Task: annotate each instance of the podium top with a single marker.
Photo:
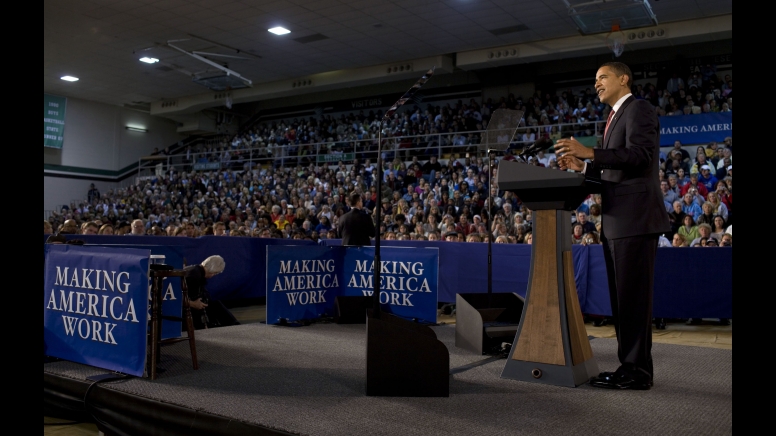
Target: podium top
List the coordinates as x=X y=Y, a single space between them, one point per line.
x=541 y=188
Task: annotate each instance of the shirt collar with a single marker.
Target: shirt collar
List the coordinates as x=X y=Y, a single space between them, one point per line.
x=617 y=105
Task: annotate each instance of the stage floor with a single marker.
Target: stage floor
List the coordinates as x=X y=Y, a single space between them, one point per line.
x=310 y=380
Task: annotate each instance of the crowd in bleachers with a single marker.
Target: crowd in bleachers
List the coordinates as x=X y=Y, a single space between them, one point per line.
x=423 y=198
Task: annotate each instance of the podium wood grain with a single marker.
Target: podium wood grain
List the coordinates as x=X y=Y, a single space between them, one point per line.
x=541 y=339
x=580 y=344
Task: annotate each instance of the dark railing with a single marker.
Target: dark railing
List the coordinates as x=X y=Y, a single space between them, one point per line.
x=250 y=155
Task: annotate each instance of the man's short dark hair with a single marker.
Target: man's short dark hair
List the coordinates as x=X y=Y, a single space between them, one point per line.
x=354 y=199
x=57 y=238
x=400 y=217
x=620 y=69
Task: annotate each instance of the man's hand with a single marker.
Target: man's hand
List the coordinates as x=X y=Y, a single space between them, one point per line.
x=572 y=147
x=569 y=162
x=197 y=304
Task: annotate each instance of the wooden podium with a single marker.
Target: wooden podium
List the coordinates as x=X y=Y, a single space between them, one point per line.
x=551 y=344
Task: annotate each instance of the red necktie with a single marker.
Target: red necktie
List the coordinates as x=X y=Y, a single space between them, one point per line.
x=608 y=120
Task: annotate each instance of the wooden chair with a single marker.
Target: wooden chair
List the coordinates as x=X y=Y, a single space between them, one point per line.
x=158 y=273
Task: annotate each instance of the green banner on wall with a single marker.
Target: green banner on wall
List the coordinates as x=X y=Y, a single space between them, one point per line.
x=345 y=157
x=53 y=120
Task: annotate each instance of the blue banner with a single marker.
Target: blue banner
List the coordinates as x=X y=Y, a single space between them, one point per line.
x=408 y=279
x=172 y=296
x=172 y=293
x=463 y=268
x=696 y=129
x=94 y=301
x=302 y=282
x=241 y=279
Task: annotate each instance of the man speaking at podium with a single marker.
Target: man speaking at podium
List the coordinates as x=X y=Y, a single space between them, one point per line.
x=633 y=217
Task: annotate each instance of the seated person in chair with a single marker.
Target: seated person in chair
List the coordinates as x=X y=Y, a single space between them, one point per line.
x=206 y=313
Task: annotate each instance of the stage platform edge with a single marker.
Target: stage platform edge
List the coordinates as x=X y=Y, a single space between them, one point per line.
x=121 y=413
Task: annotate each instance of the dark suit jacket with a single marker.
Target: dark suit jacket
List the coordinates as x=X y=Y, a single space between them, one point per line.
x=355 y=227
x=628 y=165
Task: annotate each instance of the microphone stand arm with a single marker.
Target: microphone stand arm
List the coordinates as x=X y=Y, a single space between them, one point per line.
x=490 y=232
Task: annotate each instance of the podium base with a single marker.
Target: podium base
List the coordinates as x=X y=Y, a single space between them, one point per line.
x=404 y=359
x=558 y=375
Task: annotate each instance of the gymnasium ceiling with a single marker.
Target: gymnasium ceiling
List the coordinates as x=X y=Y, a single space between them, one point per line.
x=100 y=41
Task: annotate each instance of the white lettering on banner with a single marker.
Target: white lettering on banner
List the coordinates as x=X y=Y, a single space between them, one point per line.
x=108 y=278
x=86 y=329
x=91 y=305
x=306 y=297
x=393 y=277
x=306 y=266
x=678 y=130
x=390 y=283
x=305 y=282
x=717 y=127
x=392 y=298
x=391 y=267
x=169 y=294
x=85 y=278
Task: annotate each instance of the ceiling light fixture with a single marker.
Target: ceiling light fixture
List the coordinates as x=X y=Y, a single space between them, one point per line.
x=149 y=60
x=279 y=30
x=69 y=78
x=136 y=129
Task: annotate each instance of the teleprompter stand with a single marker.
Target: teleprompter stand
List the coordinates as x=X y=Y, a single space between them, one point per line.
x=551 y=345
x=483 y=321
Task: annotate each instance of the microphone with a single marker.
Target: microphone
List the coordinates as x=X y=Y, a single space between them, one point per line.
x=541 y=144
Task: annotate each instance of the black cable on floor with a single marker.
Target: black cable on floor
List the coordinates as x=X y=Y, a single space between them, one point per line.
x=469 y=366
x=102 y=378
x=499 y=353
x=98 y=379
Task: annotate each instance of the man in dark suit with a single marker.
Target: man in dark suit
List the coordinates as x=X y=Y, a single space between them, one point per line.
x=356 y=226
x=634 y=216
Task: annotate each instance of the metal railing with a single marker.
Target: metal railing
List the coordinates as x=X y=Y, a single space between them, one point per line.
x=250 y=155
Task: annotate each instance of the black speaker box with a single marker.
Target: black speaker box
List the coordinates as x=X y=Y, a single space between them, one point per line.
x=351 y=310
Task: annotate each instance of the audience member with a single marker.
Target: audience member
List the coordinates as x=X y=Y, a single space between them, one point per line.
x=427 y=192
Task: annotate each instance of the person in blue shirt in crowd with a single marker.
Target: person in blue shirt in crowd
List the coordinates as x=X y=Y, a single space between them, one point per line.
x=690 y=206
x=324 y=226
x=707 y=178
